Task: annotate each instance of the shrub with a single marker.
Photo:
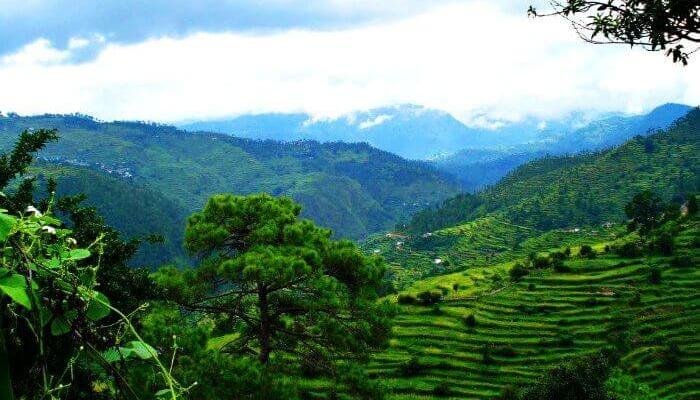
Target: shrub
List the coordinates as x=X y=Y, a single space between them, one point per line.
x=436 y=310
x=505 y=350
x=443 y=289
x=692 y=205
x=586 y=252
x=629 y=250
x=442 y=389
x=636 y=299
x=406 y=299
x=671 y=356
x=681 y=262
x=531 y=287
x=559 y=265
x=455 y=286
x=412 y=367
x=429 y=297
x=654 y=275
x=541 y=262
x=565 y=340
x=486 y=357
x=509 y=392
x=662 y=244
x=517 y=272
x=591 y=302
x=558 y=255
x=470 y=320
x=567 y=251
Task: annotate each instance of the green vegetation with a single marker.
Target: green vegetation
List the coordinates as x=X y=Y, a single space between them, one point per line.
x=510 y=302
x=583 y=190
x=521 y=330
x=353 y=189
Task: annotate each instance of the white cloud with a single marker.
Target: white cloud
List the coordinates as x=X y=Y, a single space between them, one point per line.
x=472 y=59
x=378 y=120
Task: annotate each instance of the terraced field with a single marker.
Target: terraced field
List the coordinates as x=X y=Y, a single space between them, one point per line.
x=483 y=242
x=523 y=329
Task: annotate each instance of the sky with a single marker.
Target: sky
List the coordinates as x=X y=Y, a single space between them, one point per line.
x=175 y=60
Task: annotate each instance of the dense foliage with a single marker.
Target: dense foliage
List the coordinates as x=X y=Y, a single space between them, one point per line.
x=292 y=297
x=556 y=192
x=652 y=24
x=353 y=189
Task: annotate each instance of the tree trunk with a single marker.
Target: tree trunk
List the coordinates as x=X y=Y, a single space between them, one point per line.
x=264 y=325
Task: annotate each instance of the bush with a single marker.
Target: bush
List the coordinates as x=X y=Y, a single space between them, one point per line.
x=591 y=302
x=442 y=389
x=470 y=320
x=436 y=310
x=517 y=272
x=406 y=299
x=681 y=262
x=654 y=275
x=412 y=367
x=662 y=244
x=629 y=250
x=559 y=265
x=429 y=297
x=504 y=350
x=541 y=262
x=509 y=392
x=531 y=287
x=586 y=252
x=565 y=340
x=486 y=357
x=578 y=379
x=671 y=357
x=567 y=251
x=455 y=286
x=636 y=299
x=558 y=255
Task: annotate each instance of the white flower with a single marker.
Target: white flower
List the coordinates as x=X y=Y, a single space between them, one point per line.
x=33 y=210
x=49 y=229
x=71 y=242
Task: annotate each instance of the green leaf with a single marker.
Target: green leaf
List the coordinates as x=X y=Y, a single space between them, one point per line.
x=78 y=254
x=98 y=308
x=62 y=324
x=143 y=350
x=16 y=287
x=163 y=393
x=6 y=224
x=111 y=355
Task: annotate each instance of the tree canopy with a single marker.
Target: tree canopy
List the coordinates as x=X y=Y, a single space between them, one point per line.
x=279 y=281
x=667 y=25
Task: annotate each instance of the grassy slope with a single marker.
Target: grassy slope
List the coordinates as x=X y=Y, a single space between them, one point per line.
x=561 y=193
x=549 y=324
x=482 y=242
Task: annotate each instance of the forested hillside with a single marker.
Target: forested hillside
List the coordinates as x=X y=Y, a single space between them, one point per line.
x=477 y=168
x=584 y=189
x=352 y=188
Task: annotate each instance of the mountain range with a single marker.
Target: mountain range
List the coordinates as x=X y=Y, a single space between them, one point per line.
x=476 y=156
x=162 y=174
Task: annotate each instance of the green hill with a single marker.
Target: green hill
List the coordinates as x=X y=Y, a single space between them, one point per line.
x=520 y=330
x=352 y=188
x=557 y=192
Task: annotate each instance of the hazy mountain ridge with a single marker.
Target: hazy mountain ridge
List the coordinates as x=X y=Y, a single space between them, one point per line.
x=354 y=189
